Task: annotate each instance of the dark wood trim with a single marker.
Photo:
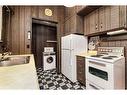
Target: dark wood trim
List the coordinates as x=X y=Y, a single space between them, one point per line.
x=44 y=22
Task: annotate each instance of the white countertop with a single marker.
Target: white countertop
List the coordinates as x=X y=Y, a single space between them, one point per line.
x=85 y=54
x=19 y=76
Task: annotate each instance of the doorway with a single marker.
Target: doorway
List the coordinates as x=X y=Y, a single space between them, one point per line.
x=43 y=35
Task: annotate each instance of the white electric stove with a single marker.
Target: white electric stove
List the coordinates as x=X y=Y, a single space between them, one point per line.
x=106 y=70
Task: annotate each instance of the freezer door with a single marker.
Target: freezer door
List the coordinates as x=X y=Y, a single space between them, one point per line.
x=66 y=42
x=66 y=63
x=78 y=43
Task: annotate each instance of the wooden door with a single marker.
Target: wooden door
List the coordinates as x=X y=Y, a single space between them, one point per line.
x=38 y=42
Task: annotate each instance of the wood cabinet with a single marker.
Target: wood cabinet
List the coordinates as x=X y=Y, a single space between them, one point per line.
x=91 y=23
x=81 y=70
x=73 y=25
x=105 y=19
x=123 y=16
x=101 y=19
x=114 y=17
x=87 y=25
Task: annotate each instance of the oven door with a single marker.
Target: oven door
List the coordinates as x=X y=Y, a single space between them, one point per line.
x=99 y=73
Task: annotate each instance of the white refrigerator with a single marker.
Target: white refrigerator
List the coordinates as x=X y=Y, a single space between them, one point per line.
x=71 y=45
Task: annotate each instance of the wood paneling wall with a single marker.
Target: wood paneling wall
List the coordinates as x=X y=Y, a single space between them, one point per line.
x=21 y=23
x=118 y=43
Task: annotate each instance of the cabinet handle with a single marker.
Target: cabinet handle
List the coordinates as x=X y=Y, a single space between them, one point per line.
x=96 y=27
x=124 y=24
x=101 y=25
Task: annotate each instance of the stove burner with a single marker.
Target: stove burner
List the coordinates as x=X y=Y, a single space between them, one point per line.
x=99 y=55
x=113 y=56
x=106 y=57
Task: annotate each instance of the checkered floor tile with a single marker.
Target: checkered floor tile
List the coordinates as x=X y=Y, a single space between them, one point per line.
x=51 y=80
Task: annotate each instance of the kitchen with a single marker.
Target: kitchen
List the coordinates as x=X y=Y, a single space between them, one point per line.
x=52 y=33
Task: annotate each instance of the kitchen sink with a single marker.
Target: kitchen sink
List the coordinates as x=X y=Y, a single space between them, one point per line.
x=16 y=60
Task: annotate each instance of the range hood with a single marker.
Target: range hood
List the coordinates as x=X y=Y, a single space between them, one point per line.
x=122 y=31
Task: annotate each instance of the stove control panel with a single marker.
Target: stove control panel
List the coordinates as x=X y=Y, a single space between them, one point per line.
x=112 y=50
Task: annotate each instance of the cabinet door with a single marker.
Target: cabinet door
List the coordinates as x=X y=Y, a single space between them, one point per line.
x=115 y=15
x=93 y=26
x=96 y=17
x=107 y=17
x=94 y=22
x=87 y=25
x=101 y=19
x=123 y=16
x=81 y=69
x=79 y=24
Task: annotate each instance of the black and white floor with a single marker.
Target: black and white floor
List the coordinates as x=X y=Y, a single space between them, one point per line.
x=51 y=80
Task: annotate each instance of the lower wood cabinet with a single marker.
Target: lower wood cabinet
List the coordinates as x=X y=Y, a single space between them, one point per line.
x=81 y=70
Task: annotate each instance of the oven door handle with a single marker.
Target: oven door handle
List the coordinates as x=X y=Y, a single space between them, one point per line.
x=96 y=63
x=93 y=86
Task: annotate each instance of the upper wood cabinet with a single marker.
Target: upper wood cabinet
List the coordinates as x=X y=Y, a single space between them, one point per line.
x=115 y=13
x=105 y=19
x=123 y=16
x=87 y=25
x=73 y=25
x=91 y=23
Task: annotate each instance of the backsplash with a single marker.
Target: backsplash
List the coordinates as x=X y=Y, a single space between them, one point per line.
x=94 y=42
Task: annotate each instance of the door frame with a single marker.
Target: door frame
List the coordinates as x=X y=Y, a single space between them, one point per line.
x=49 y=23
